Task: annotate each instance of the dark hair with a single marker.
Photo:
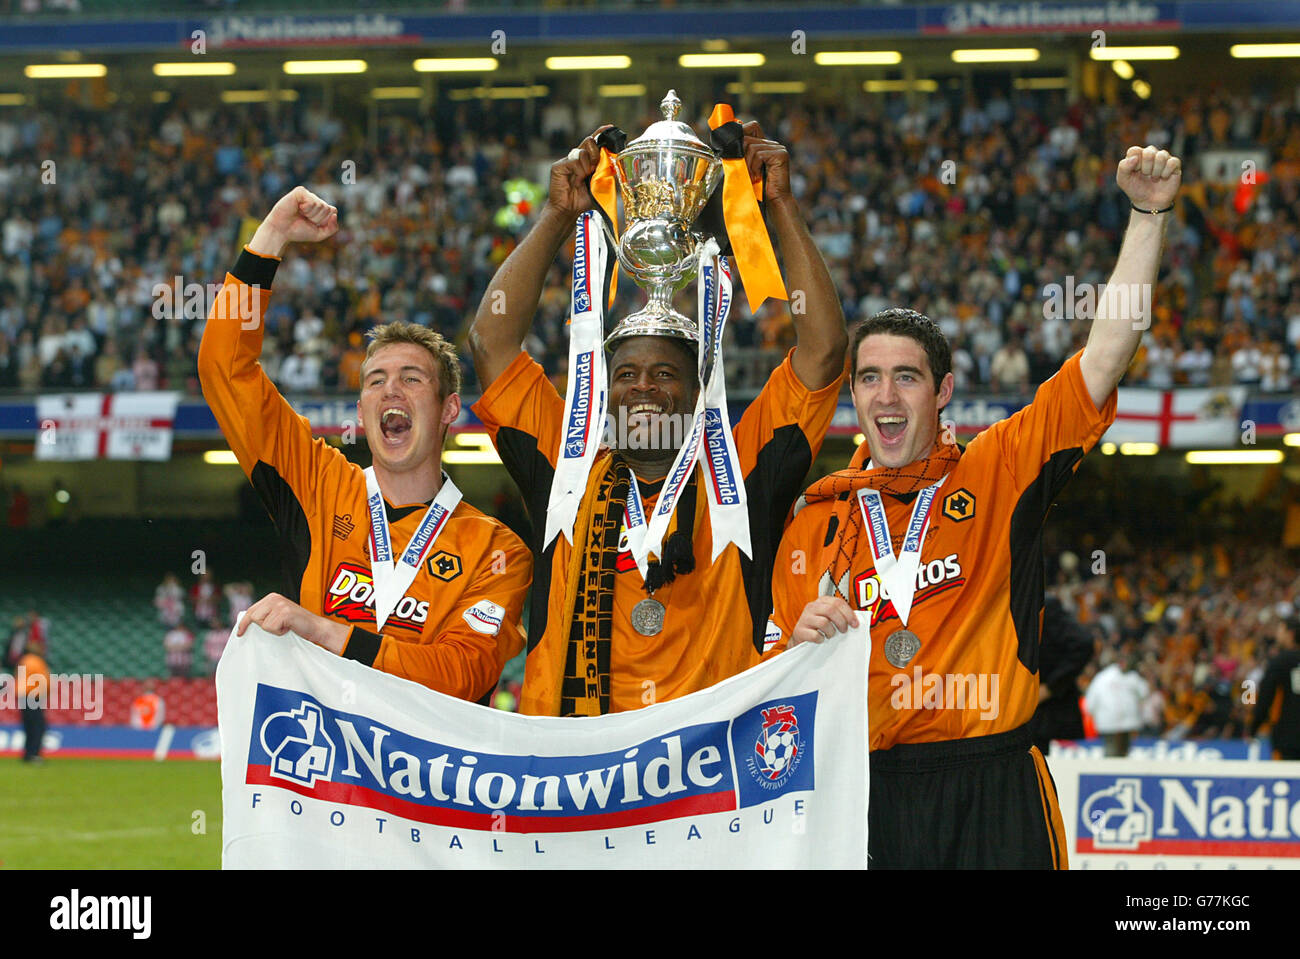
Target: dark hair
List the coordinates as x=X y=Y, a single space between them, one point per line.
x=685 y=350
x=909 y=323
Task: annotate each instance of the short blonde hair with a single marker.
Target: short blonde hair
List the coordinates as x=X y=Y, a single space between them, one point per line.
x=443 y=353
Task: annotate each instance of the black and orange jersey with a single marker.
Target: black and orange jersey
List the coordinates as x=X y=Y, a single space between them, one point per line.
x=978 y=604
x=458 y=622
x=716 y=616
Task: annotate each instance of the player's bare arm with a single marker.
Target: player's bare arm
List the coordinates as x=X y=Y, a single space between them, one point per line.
x=1150 y=178
x=818 y=320
x=507 y=308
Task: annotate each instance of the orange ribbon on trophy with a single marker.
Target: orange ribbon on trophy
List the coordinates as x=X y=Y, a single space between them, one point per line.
x=604 y=190
x=740 y=211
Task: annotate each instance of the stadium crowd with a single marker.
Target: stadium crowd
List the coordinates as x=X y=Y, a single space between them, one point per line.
x=986 y=215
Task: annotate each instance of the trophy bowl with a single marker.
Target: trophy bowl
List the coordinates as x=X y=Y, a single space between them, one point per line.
x=665 y=177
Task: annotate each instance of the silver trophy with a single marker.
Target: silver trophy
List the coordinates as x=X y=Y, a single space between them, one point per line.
x=666 y=176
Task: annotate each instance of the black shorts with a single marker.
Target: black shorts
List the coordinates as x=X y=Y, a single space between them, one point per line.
x=982 y=803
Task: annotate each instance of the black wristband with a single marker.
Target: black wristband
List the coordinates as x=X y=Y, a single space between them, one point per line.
x=255 y=270
x=1152 y=212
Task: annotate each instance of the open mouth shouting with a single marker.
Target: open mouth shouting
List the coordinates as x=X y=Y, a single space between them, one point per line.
x=395 y=425
x=892 y=430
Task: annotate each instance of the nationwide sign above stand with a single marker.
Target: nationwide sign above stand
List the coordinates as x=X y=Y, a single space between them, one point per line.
x=363 y=30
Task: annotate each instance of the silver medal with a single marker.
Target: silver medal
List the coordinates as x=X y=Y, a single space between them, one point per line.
x=900 y=647
x=648 y=617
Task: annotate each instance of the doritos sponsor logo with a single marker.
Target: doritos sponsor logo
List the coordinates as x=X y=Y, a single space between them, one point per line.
x=625 y=562
x=932 y=578
x=683 y=772
x=1211 y=815
x=351 y=596
x=485 y=617
x=575 y=437
x=724 y=481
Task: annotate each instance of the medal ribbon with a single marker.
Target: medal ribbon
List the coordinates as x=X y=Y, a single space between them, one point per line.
x=393 y=579
x=587 y=394
x=897 y=573
x=634 y=518
x=689 y=454
x=728 y=507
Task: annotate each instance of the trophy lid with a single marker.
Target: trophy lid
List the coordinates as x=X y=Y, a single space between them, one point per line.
x=670 y=129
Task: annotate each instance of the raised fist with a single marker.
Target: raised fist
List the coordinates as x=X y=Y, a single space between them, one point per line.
x=299 y=216
x=1150 y=177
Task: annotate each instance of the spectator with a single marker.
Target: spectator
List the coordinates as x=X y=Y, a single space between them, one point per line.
x=178 y=646
x=169 y=600
x=1010 y=368
x=1114 y=700
x=148 y=710
x=214 y=643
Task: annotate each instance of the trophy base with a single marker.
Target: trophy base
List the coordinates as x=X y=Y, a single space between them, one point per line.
x=654 y=322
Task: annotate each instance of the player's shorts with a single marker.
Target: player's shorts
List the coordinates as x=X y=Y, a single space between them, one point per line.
x=982 y=803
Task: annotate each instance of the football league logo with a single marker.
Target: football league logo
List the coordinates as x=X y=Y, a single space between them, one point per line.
x=778 y=748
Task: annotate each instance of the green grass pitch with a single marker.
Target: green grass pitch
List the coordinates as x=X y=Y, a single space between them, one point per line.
x=110 y=814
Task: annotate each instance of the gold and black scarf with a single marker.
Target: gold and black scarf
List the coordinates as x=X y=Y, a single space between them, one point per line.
x=589 y=583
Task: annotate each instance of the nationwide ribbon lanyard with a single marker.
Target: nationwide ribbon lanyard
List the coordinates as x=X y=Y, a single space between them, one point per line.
x=728 y=506
x=587 y=394
x=393 y=579
x=897 y=573
x=689 y=454
x=636 y=524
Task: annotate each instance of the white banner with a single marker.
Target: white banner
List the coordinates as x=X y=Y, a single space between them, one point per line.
x=1179 y=418
x=330 y=764
x=115 y=426
x=1203 y=814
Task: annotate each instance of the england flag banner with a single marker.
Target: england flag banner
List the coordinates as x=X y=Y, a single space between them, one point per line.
x=1179 y=418
x=330 y=764
x=115 y=426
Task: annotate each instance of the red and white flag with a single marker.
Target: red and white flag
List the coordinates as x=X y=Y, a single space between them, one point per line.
x=115 y=426
x=1179 y=418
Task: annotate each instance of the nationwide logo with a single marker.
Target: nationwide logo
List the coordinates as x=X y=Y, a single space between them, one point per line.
x=776 y=751
x=1162 y=815
x=580 y=420
x=485 y=617
x=724 y=482
x=975 y=17
x=581 y=268
x=425 y=534
x=297 y=745
x=304 y=746
x=351 y=596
